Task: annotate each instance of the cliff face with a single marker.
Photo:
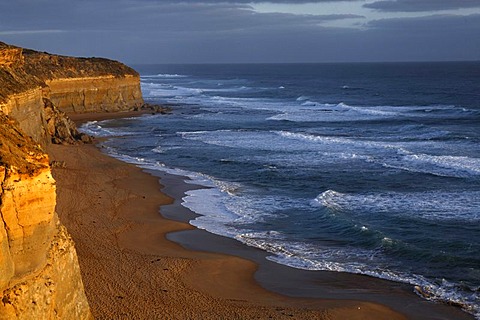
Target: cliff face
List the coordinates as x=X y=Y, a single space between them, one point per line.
x=92 y=94
x=72 y=85
x=26 y=108
x=39 y=272
x=85 y=84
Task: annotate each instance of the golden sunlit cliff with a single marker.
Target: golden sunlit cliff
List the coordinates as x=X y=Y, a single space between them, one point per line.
x=39 y=272
x=30 y=79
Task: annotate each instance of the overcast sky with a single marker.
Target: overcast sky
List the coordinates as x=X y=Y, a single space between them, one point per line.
x=168 y=31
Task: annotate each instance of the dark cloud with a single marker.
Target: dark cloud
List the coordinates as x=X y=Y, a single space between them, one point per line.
x=441 y=23
x=148 y=31
x=246 y=1
x=111 y=15
x=446 y=37
x=421 y=5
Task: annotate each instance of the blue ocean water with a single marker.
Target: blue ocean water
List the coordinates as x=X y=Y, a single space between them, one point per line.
x=361 y=168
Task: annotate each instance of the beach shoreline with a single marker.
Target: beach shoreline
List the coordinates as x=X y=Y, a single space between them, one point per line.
x=297 y=283
x=136 y=263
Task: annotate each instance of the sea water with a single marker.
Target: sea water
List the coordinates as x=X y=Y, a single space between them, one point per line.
x=363 y=168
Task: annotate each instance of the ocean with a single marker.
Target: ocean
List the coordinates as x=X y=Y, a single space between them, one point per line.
x=368 y=168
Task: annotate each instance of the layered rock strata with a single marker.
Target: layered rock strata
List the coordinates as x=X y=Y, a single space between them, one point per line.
x=39 y=271
x=72 y=85
x=94 y=94
x=85 y=84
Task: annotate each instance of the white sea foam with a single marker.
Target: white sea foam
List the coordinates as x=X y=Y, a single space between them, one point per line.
x=461 y=205
x=155 y=90
x=164 y=75
x=192 y=93
x=344 y=148
x=467 y=164
x=395 y=154
x=303 y=109
x=236 y=138
x=443 y=292
x=438 y=165
x=354 y=260
x=214 y=203
x=374 y=111
x=158 y=149
x=418 y=132
x=215 y=217
x=208 y=202
x=302 y=98
x=98 y=129
x=324 y=112
x=314 y=257
x=226 y=210
x=352 y=143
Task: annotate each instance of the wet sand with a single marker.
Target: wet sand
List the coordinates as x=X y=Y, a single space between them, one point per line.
x=131 y=270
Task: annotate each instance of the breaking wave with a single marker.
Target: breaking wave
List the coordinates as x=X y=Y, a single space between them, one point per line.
x=436 y=206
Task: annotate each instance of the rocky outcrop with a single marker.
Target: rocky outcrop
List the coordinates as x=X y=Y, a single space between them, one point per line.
x=60 y=127
x=39 y=273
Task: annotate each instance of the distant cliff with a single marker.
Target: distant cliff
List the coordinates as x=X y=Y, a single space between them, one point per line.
x=39 y=271
x=73 y=85
x=85 y=84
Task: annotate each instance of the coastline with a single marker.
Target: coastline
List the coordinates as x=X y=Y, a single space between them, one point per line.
x=297 y=283
x=130 y=268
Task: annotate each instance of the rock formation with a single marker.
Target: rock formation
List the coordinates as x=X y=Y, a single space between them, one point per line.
x=60 y=128
x=39 y=272
x=85 y=85
x=72 y=85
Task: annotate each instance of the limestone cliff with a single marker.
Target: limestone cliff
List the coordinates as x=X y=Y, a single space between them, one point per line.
x=92 y=94
x=85 y=84
x=71 y=84
x=39 y=272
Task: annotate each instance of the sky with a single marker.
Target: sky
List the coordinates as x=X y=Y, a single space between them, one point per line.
x=247 y=31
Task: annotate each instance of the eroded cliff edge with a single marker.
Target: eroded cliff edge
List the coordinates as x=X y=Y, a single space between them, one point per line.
x=30 y=79
x=39 y=272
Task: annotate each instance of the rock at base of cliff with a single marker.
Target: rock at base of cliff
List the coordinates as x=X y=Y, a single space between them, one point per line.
x=61 y=128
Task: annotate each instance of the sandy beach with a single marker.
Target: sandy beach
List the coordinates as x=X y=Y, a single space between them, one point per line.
x=131 y=270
